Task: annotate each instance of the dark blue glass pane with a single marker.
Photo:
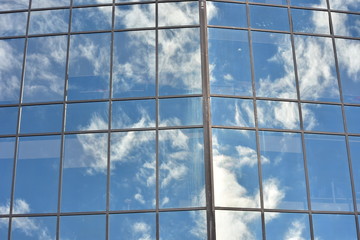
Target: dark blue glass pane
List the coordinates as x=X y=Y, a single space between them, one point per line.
x=8 y=120
x=89 y=227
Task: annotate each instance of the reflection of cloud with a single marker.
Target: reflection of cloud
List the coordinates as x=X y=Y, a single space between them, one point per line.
x=296 y=231
x=142 y=231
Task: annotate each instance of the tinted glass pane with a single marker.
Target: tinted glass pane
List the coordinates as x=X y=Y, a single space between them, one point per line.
x=133 y=114
x=46 y=3
x=87 y=116
x=134 y=64
x=91 y=227
x=7 y=148
x=178 y=13
x=328 y=226
x=45 y=69
x=42 y=118
x=276 y=114
x=230 y=62
x=238 y=225
x=283 y=166
x=328 y=173
x=13 y=24
x=37 y=175
x=179 y=47
x=33 y=228
x=49 y=21
x=14 y=4
x=90 y=19
x=180 y=111
x=8 y=120
x=232 y=112
x=273 y=65
x=309 y=3
x=181 y=165
x=287 y=226
x=84 y=173
x=227 y=14
x=193 y=225
x=273 y=18
x=235 y=169
x=133 y=164
x=310 y=21
x=346 y=24
x=135 y=16
x=132 y=226
x=354 y=143
x=316 y=68
x=321 y=117
x=10 y=68
x=89 y=66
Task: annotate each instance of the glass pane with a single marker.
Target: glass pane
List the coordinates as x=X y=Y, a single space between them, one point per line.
x=179 y=47
x=276 y=114
x=13 y=4
x=90 y=19
x=7 y=148
x=134 y=64
x=37 y=175
x=4 y=228
x=278 y=2
x=227 y=14
x=180 y=111
x=272 y=18
x=235 y=169
x=13 y=24
x=41 y=118
x=45 y=69
x=232 y=112
x=291 y=226
x=181 y=165
x=135 y=16
x=10 y=68
x=90 y=227
x=178 y=13
x=33 y=228
x=346 y=24
x=133 y=170
x=238 y=225
x=84 y=173
x=309 y=3
x=87 y=116
x=132 y=226
x=88 y=2
x=133 y=114
x=310 y=21
x=8 y=120
x=46 y=4
x=322 y=117
x=229 y=62
x=348 y=59
x=345 y=5
x=193 y=225
x=273 y=65
x=89 y=67
x=329 y=226
x=316 y=68
x=354 y=143
x=283 y=166
x=329 y=178
x=49 y=21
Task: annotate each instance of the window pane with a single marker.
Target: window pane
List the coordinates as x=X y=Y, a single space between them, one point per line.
x=227 y=14
x=44 y=21
x=278 y=2
x=133 y=170
x=37 y=175
x=273 y=18
x=235 y=169
x=328 y=168
x=45 y=4
x=14 y=4
x=345 y=5
x=91 y=19
x=13 y=24
x=33 y=228
x=88 y=2
x=329 y=226
x=354 y=143
x=309 y=3
x=135 y=16
x=310 y=21
x=84 y=173
x=90 y=227
x=8 y=120
x=181 y=165
x=4 y=223
x=178 y=13
x=7 y=148
x=346 y=24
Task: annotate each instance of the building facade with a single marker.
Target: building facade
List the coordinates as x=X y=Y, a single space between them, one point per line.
x=179 y=119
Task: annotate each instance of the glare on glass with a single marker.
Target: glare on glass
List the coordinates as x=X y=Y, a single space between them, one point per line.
x=310 y=21
x=8 y=120
x=37 y=175
x=13 y=24
x=45 y=69
x=181 y=13
x=89 y=66
x=14 y=4
x=54 y=21
x=134 y=16
x=272 y=18
x=87 y=116
x=230 y=58
x=278 y=114
x=7 y=148
x=133 y=170
x=354 y=144
x=84 y=173
x=91 y=19
x=180 y=111
x=92 y=227
x=328 y=169
x=181 y=166
x=46 y=4
x=33 y=228
x=232 y=112
x=134 y=64
x=227 y=14
x=273 y=65
x=322 y=117
x=331 y=226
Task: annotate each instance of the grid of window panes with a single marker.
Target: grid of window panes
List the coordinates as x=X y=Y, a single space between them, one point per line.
x=285 y=102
